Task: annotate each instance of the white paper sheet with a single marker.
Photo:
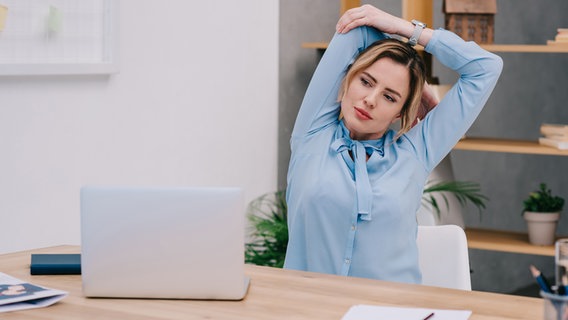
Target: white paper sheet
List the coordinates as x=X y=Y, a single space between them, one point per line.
x=367 y=312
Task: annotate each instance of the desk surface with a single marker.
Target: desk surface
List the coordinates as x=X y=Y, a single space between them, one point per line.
x=274 y=294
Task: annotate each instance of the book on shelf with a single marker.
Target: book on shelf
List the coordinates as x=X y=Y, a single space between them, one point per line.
x=559 y=138
x=558 y=144
x=554 y=135
x=557 y=43
x=556 y=130
x=561 y=37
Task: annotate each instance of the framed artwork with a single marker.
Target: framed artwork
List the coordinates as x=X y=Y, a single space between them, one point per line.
x=50 y=37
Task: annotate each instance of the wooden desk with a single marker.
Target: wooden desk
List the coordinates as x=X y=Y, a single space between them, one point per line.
x=274 y=294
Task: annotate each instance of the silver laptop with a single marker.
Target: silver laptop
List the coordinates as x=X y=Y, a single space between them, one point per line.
x=164 y=243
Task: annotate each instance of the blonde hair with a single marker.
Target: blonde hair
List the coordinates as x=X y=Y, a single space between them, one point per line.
x=399 y=52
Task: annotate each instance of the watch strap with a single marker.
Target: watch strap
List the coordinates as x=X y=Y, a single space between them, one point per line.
x=418 y=28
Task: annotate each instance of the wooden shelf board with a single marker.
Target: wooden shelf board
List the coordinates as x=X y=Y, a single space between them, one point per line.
x=507 y=145
x=315 y=45
x=505 y=241
x=557 y=48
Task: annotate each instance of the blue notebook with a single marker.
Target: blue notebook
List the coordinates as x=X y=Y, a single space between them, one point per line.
x=47 y=263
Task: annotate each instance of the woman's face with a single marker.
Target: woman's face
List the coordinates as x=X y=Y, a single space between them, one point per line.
x=374 y=99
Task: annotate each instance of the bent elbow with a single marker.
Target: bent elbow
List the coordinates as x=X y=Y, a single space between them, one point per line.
x=495 y=66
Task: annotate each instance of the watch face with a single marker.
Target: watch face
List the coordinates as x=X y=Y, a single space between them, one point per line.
x=419 y=23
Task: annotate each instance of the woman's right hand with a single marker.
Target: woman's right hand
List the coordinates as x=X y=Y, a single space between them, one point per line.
x=368 y=15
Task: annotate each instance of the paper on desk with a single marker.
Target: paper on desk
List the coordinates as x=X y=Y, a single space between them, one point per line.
x=366 y=312
x=16 y=294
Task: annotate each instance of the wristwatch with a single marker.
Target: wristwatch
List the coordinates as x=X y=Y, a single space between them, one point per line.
x=418 y=28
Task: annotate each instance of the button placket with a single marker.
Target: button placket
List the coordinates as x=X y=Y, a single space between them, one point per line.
x=348 y=256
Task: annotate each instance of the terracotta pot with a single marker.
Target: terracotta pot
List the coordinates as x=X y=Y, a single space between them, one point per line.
x=541 y=227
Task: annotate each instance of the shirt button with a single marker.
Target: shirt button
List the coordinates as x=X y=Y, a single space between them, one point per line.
x=347 y=261
x=353 y=227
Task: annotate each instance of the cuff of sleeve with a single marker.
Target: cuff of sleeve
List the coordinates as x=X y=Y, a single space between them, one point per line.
x=434 y=40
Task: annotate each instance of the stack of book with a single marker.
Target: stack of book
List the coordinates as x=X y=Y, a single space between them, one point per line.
x=554 y=135
x=561 y=37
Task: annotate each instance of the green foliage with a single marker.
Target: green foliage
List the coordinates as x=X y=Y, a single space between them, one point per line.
x=269 y=228
x=464 y=191
x=269 y=237
x=542 y=200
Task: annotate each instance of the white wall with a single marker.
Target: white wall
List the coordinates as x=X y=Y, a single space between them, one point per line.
x=195 y=103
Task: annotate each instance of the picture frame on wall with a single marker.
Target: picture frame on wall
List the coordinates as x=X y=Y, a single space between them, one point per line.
x=59 y=37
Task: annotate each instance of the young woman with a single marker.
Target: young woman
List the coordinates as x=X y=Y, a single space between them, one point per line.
x=354 y=184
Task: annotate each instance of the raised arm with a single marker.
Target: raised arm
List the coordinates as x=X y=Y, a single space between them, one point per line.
x=479 y=71
x=320 y=106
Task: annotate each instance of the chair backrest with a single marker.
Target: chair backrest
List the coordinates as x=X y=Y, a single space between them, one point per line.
x=443 y=256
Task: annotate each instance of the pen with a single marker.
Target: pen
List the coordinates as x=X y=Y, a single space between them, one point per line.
x=429 y=316
x=544 y=285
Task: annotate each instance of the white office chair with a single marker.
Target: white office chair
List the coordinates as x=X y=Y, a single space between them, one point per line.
x=443 y=256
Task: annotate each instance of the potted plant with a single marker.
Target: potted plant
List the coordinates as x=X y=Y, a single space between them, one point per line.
x=542 y=211
x=267 y=214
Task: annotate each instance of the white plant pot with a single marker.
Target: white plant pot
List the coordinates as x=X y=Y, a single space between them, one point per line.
x=541 y=227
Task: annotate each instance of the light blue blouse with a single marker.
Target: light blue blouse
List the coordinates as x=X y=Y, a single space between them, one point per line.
x=357 y=218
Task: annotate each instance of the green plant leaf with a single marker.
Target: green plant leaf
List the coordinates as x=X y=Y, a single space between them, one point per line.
x=463 y=191
x=267 y=215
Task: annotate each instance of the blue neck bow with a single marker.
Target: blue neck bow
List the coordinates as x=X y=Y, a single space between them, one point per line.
x=360 y=149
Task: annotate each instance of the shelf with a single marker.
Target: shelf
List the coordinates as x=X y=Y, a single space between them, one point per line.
x=315 y=45
x=506 y=145
x=505 y=241
x=556 y=48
